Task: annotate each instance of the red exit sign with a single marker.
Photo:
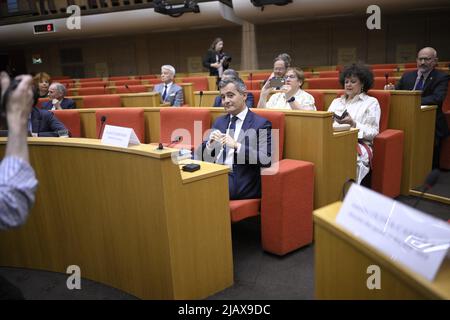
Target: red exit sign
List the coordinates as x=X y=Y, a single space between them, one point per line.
x=44 y=28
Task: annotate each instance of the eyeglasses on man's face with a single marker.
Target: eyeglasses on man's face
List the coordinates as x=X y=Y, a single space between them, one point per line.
x=425 y=59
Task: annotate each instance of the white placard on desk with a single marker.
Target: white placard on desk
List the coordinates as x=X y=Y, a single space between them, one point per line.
x=119 y=136
x=406 y=235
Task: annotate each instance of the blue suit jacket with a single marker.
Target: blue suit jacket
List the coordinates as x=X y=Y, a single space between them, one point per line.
x=433 y=93
x=255 y=153
x=45 y=124
x=65 y=104
x=249 y=101
x=174 y=96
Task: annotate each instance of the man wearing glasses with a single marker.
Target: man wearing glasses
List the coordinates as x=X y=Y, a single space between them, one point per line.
x=433 y=84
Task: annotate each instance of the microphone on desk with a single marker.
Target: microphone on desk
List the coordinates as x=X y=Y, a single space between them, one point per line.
x=128 y=88
x=430 y=181
x=102 y=125
x=104 y=88
x=201 y=96
x=250 y=76
x=177 y=140
x=386 y=76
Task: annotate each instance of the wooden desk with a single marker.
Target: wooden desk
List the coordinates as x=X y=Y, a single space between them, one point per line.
x=418 y=125
x=308 y=136
x=207 y=99
x=127 y=217
x=341 y=262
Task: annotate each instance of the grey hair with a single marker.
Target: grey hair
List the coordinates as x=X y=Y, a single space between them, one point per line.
x=60 y=87
x=238 y=83
x=168 y=67
x=231 y=73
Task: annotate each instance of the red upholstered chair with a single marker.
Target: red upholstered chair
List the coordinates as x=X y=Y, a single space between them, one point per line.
x=102 y=101
x=152 y=81
x=444 y=159
x=323 y=83
x=132 y=89
x=198 y=83
x=90 y=79
x=119 y=78
x=318 y=98
x=383 y=66
x=329 y=74
x=380 y=82
x=387 y=151
x=382 y=72
x=181 y=121
x=127 y=82
x=94 y=84
x=411 y=65
x=147 y=76
x=256 y=95
x=123 y=117
x=259 y=76
x=286 y=202
x=253 y=84
x=92 y=91
x=41 y=102
x=71 y=120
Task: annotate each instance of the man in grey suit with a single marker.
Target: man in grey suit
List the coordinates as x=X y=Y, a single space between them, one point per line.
x=169 y=91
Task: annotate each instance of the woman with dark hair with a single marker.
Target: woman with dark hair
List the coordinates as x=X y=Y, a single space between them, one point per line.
x=216 y=60
x=358 y=110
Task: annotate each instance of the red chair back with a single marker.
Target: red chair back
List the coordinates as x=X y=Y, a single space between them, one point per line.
x=184 y=121
x=198 y=83
x=380 y=82
x=132 y=89
x=102 y=101
x=71 y=120
x=41 y=102
x=123 y=117
x=153 y=81
x=92 y=91
x=119 y=78
x=93 y=84
x=318 y=98
x=253 y=84
x=329 y=74
x=259 y=76
x=446 y=103
x=383 y=66
x=148 y=76
x=382 y=72
x=384 y=99
x=323 y=83
x=412 y=65
x=256 y=94
x=127 y=82
x=277 y=119
x=90 y=79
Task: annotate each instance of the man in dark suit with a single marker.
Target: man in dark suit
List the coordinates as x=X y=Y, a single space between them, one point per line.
x=56 y=92
x=241 y=140
x=169 y=91
x=433 y=84
x=43 y=123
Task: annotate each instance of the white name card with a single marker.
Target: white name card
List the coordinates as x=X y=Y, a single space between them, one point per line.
x=406 y=235
x=119 y=136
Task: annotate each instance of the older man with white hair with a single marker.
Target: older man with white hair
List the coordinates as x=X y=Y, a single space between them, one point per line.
x=169 y=91
x=56 y=93
x=433 y=84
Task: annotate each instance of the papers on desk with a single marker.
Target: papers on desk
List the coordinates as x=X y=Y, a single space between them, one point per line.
x=119 y=136
x=406 y=235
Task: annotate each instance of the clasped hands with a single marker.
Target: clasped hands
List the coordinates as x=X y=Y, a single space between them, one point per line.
x=346 y=120
x=222 y=139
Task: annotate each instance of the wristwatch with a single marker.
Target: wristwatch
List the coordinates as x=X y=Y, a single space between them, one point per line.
x=291 y=99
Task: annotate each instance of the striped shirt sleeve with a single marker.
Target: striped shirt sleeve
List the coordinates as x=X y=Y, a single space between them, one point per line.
x=17 y=188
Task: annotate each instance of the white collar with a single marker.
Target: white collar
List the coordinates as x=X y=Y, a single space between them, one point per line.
x=241 y=115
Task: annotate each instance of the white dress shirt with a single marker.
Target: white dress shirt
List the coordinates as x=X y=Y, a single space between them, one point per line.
x=278 y=101
x=364 y=110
